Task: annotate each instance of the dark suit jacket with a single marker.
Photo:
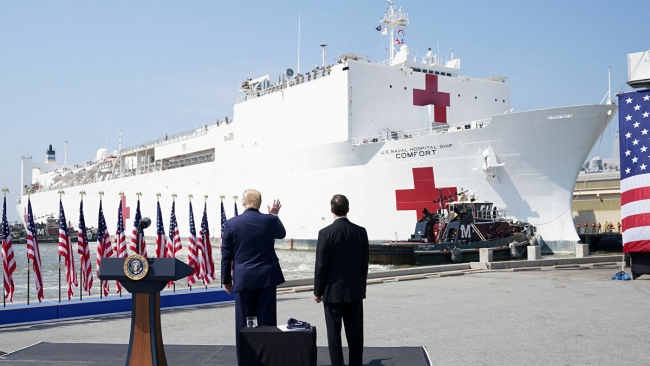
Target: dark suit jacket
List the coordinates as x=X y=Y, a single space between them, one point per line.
x=341 y=262
x=248 y=242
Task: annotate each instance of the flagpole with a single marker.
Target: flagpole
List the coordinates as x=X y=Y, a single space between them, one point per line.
x=29 y=193
x=204 y=243
x=81 y=267
x=173 y=244
x=4 y=289
x=189 y=196
x=61 y=193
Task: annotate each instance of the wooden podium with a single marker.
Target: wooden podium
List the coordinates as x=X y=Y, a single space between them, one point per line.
x=144 y=280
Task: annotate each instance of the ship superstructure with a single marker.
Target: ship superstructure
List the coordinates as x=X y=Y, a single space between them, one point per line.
x=388 y=135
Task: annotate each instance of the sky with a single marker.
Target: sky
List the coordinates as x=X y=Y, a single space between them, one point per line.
x=79 y=71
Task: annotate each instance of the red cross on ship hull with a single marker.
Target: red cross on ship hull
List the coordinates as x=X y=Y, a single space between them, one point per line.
x=423 y=194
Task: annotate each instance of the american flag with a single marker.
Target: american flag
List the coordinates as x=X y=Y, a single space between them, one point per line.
x=193 y=257
x=104 y=248
x=142 y=249
x=65 y=251
x=634 y=127
x=174 y=241
x=84 y=252
x=236 y=213
x=160 y=235
x=8 y=260
x=120 y=241
x=206 y=248
x=33 y=252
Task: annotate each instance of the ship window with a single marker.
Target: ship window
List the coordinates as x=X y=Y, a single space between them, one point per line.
x=391 y=87
x=475 y=97
x=504 y=100
x=404 y=88
x=437 y=73
x=448 y=74
x=430 y=71
x=458 y=95
x=495 y=100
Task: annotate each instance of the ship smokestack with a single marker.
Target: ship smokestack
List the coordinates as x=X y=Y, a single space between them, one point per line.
x=50 y=155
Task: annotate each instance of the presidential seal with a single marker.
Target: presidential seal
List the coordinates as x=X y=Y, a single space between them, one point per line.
x=136 y=267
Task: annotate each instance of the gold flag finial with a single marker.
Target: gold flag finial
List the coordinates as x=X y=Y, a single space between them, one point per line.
x=61 y=193
x=222 y=197
x=174 y=195
x=157 y=196
x=235 y=197
x=101 y=194
x=138 y=194
x=206 y=197
x=190 y=196
x=5 y=190
x=82 y=193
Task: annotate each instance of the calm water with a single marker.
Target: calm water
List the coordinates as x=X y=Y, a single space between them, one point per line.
x=295 y=264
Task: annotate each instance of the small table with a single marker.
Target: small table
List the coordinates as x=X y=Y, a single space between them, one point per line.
x=270 y=346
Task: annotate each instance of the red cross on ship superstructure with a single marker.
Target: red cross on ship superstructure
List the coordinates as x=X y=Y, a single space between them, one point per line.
x=431 y=96
x=126 y=211
x=423 y=194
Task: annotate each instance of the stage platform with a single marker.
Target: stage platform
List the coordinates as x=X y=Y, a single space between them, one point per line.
x=95 y=354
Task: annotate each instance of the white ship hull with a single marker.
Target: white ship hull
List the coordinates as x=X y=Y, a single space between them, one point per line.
x=358 y=129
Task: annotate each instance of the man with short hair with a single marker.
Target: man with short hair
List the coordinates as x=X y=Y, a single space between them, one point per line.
x=248 y=248
x=340 y=281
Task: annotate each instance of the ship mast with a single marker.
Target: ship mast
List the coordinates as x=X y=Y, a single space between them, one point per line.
x=394 y=18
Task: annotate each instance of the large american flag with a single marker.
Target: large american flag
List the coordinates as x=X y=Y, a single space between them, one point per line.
x=142 y=248
x=193 y=258
x=65 y=251
x=8 y=260
x=120 y=241
x=33 y=252
x=634 y=127
x=84 y=252
x=174 y=241
x=160 y=235
x=207 y=265
x=104 y=248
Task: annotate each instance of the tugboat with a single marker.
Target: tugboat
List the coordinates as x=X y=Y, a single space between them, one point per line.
x=48 y=232
x=455 y=235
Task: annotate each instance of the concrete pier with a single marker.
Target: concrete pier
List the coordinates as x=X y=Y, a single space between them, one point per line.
x=444 y=311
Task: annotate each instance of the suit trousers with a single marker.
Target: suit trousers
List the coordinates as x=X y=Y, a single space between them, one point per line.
x=351 y=313
x=260 y=303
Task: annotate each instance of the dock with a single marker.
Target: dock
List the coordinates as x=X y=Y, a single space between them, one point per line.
x=549 y=314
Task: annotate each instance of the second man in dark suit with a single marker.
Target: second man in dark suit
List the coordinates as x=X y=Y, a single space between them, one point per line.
x=340 y=281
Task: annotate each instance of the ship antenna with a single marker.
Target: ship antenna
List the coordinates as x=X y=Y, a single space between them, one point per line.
x=298 y=43
x=323 y=52
x=609 y=85
x=394 y=18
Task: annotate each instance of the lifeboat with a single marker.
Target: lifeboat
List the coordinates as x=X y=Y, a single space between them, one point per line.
x=57 y=178
x=92 y=169
x=67 y=174
x=79 y=172
x=105 y=167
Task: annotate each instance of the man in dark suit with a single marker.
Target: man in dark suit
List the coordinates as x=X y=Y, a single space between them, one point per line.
x=248 y=249
x=340 y=281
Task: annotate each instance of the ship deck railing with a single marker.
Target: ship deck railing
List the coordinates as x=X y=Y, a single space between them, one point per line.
x=284 y=84
x=389 y=135
x=168 y=139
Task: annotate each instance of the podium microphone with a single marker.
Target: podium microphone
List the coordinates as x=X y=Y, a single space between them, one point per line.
x=144 y=223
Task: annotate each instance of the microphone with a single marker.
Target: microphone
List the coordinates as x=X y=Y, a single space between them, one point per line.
x=144 y=223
